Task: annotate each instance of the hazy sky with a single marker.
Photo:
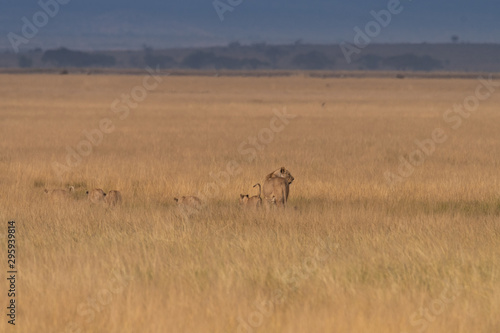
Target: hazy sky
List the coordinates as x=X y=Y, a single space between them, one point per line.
x=127 y=24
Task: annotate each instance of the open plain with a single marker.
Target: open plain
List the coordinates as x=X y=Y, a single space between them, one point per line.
x=392 y=223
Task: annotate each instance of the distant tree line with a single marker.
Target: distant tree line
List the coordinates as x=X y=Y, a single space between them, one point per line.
x=233 y=57
x=208 y=60
x=313 y=60
x=408 y=61
x=64 y=57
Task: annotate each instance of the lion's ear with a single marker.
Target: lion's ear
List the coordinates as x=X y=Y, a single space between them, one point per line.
x=176 y=200
x=242 y=196
x=282 y=170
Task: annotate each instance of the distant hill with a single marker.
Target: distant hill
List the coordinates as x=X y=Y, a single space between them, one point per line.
x=401 y=57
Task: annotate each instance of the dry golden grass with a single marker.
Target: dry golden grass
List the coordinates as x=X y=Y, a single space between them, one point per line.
x=350 y=254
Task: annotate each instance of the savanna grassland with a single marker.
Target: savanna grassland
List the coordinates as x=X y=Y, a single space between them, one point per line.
x=352 y=252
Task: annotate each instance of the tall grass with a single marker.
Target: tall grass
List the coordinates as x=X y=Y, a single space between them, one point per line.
x=350 y=254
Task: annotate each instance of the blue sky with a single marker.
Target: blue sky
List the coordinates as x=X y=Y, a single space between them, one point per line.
x=126 y=24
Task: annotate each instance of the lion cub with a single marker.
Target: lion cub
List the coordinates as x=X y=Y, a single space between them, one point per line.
x=59 y=194
x=254 y=202
x=191 y=201
x=113 y=198
x=96 y=196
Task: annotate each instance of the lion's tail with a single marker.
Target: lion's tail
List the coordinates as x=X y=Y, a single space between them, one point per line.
x=283 y=191
x=259 y=189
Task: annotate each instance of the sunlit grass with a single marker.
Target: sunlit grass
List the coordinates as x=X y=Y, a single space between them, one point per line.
x=350 y=254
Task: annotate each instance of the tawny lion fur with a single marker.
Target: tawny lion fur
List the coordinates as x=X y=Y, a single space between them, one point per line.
x=277 y=186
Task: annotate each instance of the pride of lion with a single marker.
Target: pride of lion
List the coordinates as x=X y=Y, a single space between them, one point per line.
x=96 y=196
x=273 y=192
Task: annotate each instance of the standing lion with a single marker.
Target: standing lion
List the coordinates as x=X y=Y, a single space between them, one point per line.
x=277 y=186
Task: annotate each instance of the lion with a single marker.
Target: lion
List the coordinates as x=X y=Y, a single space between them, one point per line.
x=188 y=201
x=113 y=198
x=277 y=186
x=60 y=194
x=96 y=196
x=188 y=205
x=251 y=202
